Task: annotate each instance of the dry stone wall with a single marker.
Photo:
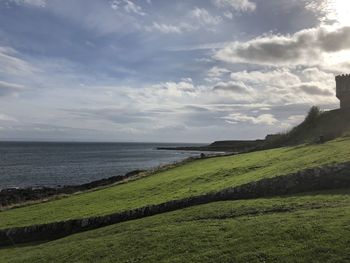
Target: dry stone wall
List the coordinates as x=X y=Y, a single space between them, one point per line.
x=323 y=178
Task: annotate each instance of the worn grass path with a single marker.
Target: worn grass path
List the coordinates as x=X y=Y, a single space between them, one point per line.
x=304 y=228
x=191 y=179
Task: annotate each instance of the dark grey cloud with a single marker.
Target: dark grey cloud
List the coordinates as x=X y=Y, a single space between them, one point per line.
x=333 y=41
x=314 y=90
x=304 y=47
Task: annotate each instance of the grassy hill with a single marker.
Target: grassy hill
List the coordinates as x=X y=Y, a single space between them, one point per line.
x=328 y=124
x=312 y=227
x=191 y=179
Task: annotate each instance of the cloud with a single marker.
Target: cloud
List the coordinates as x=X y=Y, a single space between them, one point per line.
x=115 y=115
x=204 y=17
x=216 y=72
x=289 y=86
x=164 y=28
x=291 y=121
x=7 y=118
x=315 y=90
x=231 y=86
x=317 y=75
x=278 y=77
x=154 y=96
x=128 y=6
x=196 y=19
x=176 y=89
x=237 y=5
x=10 y=63
x=9 y=89
x=265 y=119
x=36 y=3
x=228 y=14
x=305 y=47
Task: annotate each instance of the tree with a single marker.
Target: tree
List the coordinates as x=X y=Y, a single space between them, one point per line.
x=313 y=114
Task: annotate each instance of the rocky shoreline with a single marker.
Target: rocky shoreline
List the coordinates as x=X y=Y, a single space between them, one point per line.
x=19 y=196
x=14 y=196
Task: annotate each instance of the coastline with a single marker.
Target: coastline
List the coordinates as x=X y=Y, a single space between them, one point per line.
x=15 y=197
x=233 y=146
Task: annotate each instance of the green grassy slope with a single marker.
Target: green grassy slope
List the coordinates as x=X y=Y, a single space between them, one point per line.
x=191 y=179
x=329 y=124
x=303 y=228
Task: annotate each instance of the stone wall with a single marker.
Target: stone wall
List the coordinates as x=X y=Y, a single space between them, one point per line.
x=329 y=177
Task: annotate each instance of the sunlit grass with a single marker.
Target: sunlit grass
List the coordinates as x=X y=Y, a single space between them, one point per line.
x=194 y=178
x=304 y=228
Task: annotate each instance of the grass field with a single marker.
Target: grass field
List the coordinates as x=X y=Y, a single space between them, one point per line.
x=190 y=179
x=304 y=228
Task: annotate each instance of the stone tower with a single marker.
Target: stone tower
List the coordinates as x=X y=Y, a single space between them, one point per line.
x=343 y=90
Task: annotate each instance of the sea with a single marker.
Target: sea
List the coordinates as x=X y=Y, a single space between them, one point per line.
x=54 y=164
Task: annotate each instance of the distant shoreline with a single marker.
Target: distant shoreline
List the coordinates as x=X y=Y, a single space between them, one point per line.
x=236 y=146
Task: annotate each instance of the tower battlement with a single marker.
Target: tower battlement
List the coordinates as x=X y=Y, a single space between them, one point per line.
x=343 y=90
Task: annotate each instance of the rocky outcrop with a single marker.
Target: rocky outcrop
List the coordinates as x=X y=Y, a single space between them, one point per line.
x=323 y=178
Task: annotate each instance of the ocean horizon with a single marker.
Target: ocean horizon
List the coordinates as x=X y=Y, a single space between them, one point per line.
x=52 y=164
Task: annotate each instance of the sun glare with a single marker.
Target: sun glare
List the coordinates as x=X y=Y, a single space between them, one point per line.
x=342 y=11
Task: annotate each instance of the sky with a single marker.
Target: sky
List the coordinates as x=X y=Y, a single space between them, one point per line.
x=165 y=70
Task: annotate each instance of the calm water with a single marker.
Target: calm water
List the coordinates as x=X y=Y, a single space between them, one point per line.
x=27 y=164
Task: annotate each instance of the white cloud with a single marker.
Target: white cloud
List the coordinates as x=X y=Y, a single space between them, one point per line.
x=237 y=5
x=133 y=8
x=292 y=121
x=315 y=74
x=279 y=77
x=9 y=89
x=198 y=18
x=287 y=86
x=216 y=72
x=204 y=17
x=10 y=63
x=164 y=28
x=36 y=3
x=7 y=118
x=228 y=14
x=265 y=119
x=128 y=6
x=175 y=89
